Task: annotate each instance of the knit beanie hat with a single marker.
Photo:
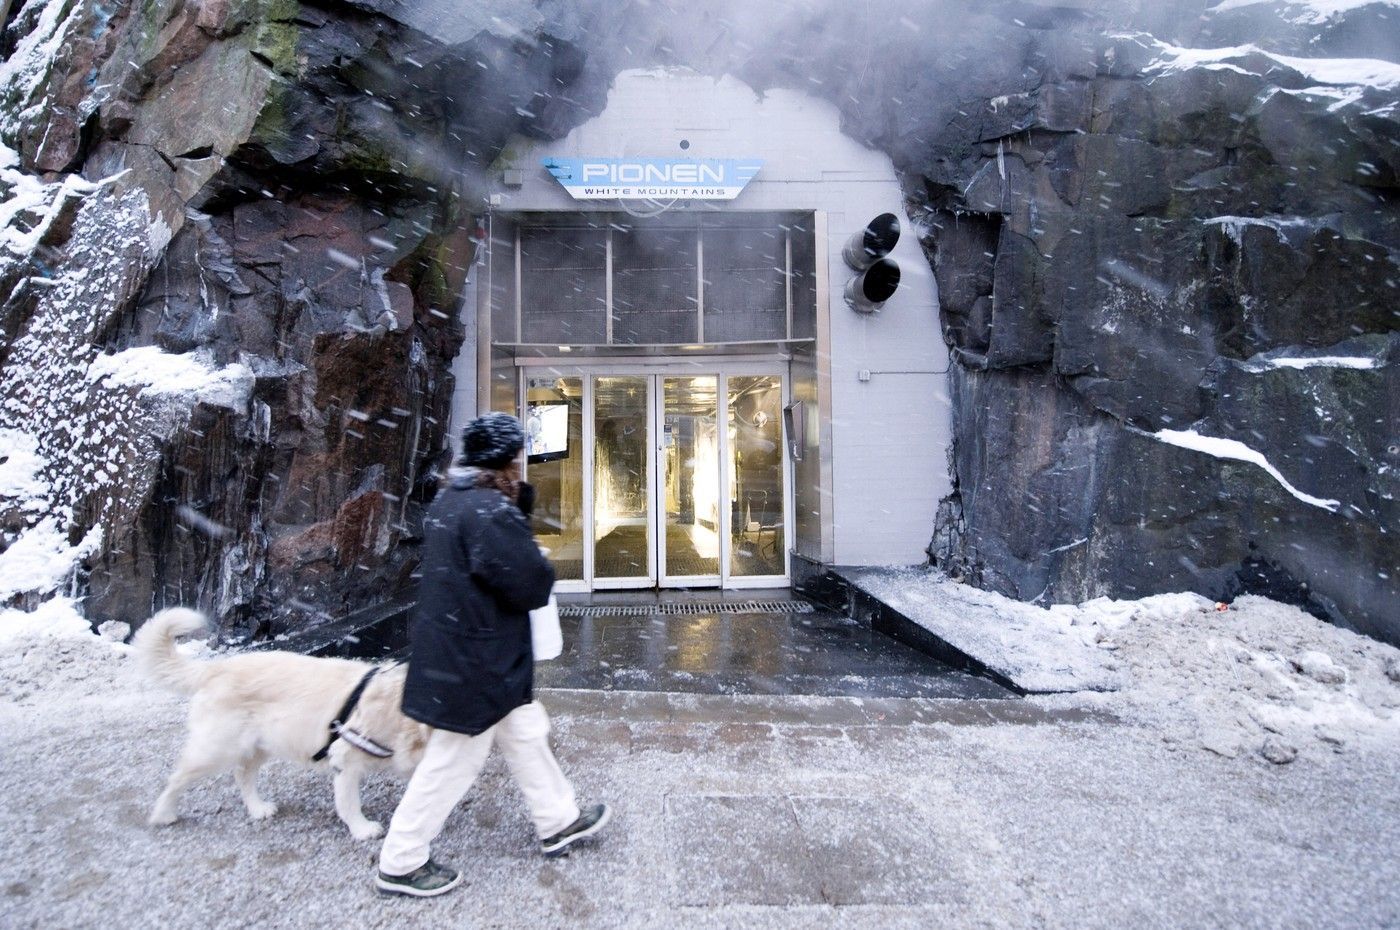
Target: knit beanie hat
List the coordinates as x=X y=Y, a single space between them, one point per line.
x=492 y=440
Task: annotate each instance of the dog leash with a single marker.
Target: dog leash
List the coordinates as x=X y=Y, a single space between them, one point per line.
x=340 y=731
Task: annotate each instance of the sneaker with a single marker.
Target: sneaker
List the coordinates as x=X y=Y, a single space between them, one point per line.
x=588 y=823
x=426 y=881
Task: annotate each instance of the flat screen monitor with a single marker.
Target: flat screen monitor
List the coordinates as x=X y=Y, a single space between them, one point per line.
x=547 y=432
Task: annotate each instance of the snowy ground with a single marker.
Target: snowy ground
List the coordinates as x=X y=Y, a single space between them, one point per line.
x=1103 y=810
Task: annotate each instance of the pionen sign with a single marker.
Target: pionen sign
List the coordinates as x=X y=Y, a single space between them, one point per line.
x=653 y=178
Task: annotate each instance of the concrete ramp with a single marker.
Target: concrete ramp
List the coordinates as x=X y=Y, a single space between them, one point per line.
x=1027 y=648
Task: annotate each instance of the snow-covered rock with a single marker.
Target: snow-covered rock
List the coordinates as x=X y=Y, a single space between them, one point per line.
x=1307 y=11
x=1319 y=667
x=51 y=651
x=1227 y=678
x=1277 y=751
x=1258 y=671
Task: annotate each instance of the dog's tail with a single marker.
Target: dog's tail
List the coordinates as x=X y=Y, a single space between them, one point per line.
x=155 y=649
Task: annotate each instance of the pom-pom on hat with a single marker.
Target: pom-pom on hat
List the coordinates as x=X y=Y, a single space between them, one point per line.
x=492 y=440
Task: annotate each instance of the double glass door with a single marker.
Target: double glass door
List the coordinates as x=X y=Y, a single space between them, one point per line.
x=676 y=480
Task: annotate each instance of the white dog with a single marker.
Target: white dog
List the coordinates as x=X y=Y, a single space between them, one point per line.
x=249 y=708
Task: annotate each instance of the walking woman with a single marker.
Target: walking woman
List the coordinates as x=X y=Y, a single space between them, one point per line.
x=471 y=673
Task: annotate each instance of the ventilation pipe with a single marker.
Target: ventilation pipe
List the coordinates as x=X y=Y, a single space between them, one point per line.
x=866 y=252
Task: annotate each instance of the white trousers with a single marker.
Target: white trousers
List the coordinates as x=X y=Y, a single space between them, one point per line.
x=451 y=763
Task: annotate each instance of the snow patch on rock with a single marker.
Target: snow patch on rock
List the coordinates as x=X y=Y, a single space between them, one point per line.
x=38 y=204
x=23 y=74
x=41 y=559
x=160 y=374
x=1277 y=359
x=86 y=428
x=21 y=485
x=1307 y=12
x=1234 y=449
x=1321 y=361
x=1355 y=72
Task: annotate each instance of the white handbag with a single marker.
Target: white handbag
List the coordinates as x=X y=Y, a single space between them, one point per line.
x=546 y=639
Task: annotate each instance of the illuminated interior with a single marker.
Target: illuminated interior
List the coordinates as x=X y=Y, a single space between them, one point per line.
x=756 y=475
x=621 y=496
x=691 y=483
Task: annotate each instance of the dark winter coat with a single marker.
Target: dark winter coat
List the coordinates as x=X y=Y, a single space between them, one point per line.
x=482 y=573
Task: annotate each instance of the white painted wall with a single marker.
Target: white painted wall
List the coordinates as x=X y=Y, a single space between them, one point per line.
x=889 y=435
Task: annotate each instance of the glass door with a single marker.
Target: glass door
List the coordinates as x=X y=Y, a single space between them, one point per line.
x=660 y=479
x=688 y=498
x=755 y=481
x=623 y=539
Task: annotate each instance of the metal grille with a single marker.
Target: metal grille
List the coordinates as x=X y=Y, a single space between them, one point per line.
x=688 y=609
x=655 y=286
x=563 y=285
x=745 y=285
x=609 y=279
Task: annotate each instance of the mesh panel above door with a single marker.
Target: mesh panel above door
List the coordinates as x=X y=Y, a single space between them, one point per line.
x=655 y=286
x=563 y=284
x=746 y=293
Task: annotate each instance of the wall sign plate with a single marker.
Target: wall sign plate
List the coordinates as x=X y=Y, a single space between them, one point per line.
x=653 y=178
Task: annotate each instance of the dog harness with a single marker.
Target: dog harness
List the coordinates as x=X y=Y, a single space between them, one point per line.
x=340 y=731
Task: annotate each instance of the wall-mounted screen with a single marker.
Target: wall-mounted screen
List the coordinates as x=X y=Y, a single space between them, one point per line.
x=547 y=432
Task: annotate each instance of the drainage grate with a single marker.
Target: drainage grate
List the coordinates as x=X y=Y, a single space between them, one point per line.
x=652 y=610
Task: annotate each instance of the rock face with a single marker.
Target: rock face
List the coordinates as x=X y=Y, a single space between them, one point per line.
x=1167 y=276
x=1204 y=253
x=283 y=192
